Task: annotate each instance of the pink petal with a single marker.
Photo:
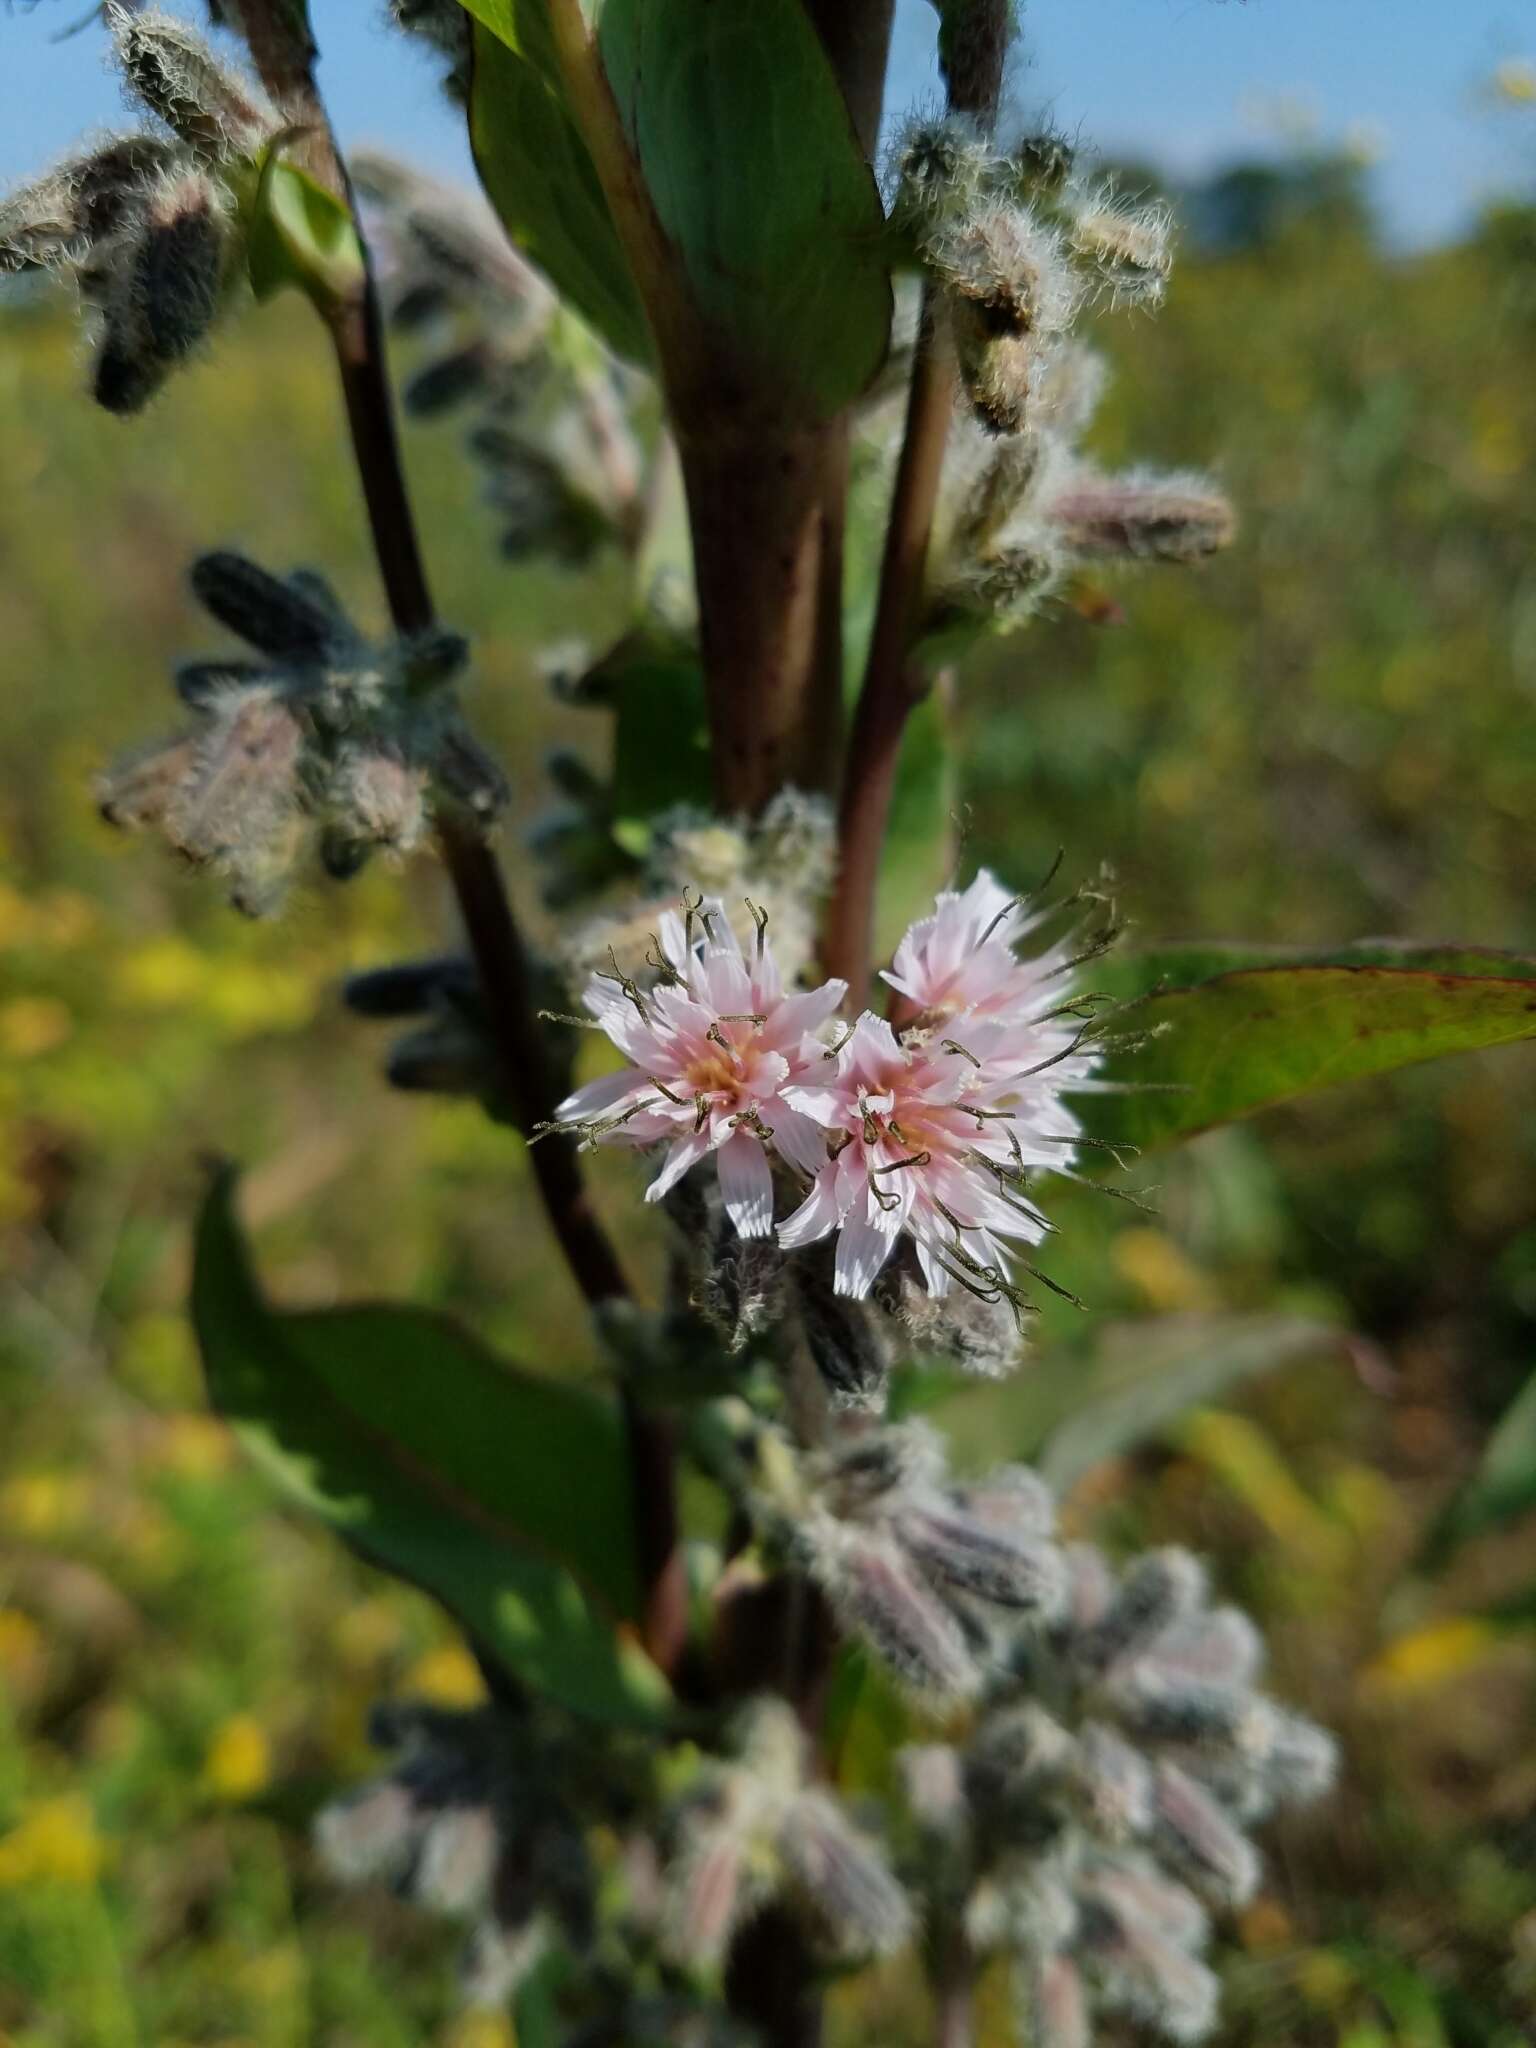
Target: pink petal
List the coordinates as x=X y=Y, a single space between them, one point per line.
x=798 y=1139
x=605 y=1093
x=685 y=1153
x=746 y=1184
x=815 y=1217
x=861 y=1252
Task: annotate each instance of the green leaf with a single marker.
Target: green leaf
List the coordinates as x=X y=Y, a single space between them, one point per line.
x=539 y=177
x=1079 y=1404
x=300 y=234
x=1238 y=1030
x=1503 y=1486
x=756 y=179
x=661 y=730
x=505 y=1495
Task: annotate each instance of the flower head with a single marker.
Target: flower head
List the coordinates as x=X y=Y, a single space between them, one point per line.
x=715 y=1046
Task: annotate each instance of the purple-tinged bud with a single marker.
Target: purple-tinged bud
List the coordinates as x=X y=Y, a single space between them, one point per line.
x=62 y=217
x=1008 y=271
x=933 y=1780
x=1011 y=1497
x=1041 y=162
x=377 y=799
x=138 y=789
x=1128 y=248
x=709 y=1900
x=876 y=1592
x=175 y=74
x=1180 y=517
x=867 y=1466
x=844 y=1337
x=844 y=1877
x=1160 y=1710
x=1215 y=1646
x=440 y=386
x=371 y=1835
x=456 y=1861
x=243 y=784
x=938 y=168
x=412 y=988
x=464 y=772
x=1001 y=1565
x=1302 y=1761
x=1110 y=1785
x=1137 y=1890
x=266 y=611
x=200 y=683
x=1197 y=1837
x=1055 y=2004
x=177 y=277
x=1139 y=1973
x=741 y=1290
x=498 y=1959
x=978 y=1335
x=996 y=370
x=443 y=1058
x=1158 y=1589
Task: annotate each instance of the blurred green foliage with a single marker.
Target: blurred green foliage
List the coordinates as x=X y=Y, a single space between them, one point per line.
x=1326 y=735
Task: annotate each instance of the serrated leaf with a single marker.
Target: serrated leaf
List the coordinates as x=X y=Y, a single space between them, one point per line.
x=538 y=176
x=300 y=234
x=756 y=179
x=1502 y=1488
x=1078 y=1404
x=505 y=1495
x=1237 y=1030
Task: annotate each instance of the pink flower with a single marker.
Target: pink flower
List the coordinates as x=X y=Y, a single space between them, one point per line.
x=928 y=1140
x=934 y=1132
x=713 y=1048
x=961 y=958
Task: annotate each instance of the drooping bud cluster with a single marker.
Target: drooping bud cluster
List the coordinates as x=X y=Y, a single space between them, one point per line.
x=927 y=1571
x=147 y=226
x=1017 y=246
x=550 y=431
x=324 y=740
x=482 y=1820
x=927 y=1129
x=1099 y=1808
x=751 y=1830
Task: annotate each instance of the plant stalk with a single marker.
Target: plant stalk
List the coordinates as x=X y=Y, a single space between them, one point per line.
x=892 y=684
x=284 y=59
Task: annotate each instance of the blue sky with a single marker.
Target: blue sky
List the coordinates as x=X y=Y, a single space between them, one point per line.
x=1188 y=83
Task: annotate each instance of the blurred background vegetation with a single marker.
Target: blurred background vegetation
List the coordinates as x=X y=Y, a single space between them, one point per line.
x=1330 y=733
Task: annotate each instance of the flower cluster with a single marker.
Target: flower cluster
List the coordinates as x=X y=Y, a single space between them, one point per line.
x=926 y=1129
x=323 y=738
x=147 y=225
x=1099 y=1807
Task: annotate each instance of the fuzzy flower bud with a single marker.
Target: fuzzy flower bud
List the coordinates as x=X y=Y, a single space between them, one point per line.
x=1127 y=247
x=326 y=740
x=751 y=1830
x=1179 y=517
x=908 y=1561
x=172 y=71
x=1095 y=1830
